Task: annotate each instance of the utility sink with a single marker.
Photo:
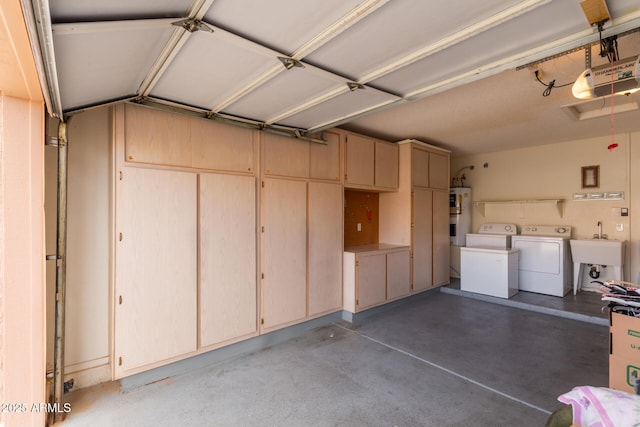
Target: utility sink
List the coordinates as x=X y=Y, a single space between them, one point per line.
x=597 y=251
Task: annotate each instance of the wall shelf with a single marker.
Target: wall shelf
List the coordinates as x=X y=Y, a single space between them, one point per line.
x=521 y=202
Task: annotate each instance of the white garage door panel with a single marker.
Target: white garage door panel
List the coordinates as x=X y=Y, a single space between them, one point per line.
x=103 y=62
x=221 y=69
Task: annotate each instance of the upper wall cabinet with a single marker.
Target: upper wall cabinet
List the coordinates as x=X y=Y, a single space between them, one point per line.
x=429 y=169
x=324 y=160
x=439 y=171
x=360 y=158
x=370 y=163
x=284 y=156
x=157 y=137
x=221 y=147
x=420 y=167
x=386 y=165
x=167 y=139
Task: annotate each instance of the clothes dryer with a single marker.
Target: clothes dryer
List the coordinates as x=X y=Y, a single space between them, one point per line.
x=545 y=259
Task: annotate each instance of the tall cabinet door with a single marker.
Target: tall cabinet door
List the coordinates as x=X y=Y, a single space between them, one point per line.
x=441 y=242
x=284 y=287
x=157 y=268
x=227 y=257
x=325 y=247
x=422 y=239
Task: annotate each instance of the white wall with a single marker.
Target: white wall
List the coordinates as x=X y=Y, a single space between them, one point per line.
x=554 y=171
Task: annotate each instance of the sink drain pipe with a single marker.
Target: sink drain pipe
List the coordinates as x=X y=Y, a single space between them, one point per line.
x=594 y=272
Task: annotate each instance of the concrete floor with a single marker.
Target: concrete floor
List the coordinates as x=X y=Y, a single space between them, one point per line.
x=435 y=360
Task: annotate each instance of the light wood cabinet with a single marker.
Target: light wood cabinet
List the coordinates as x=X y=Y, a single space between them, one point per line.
x=324 y=160
x=360 y=160
x=284 y=156
x=370 y=163
x=156 y=256
x=228 y=291
x=441 y=241
x=417 y=213
x=420 y=168
x=221 y=147
x=166 y=139
x=325 y=247
x=375 y=274
x=439 y=171
x=386 y=165
x=398 y=274
x=156 y=137
x=371 y=276
x=284 y=285
x=422 y=239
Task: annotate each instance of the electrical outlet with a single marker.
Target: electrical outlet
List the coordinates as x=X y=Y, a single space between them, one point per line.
x=359 y=227
x=619 y=227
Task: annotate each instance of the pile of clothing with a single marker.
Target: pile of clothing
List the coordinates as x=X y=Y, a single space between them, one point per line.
x=623 y=297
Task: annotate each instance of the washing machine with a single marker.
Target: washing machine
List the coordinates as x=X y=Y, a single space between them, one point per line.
x=488 y=265
x=545 y=259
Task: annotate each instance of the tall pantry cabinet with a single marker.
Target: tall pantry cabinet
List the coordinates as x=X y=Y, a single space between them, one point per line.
x=418 y=213
x=302 y=230
x=185 y=240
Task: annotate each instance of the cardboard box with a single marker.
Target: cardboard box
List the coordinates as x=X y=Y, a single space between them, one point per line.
x=624 y=374
x=624 y=336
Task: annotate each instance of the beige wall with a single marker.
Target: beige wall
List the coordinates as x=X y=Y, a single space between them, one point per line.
x=554 y=171
x=22 y=367
x=87 y=319
x=22 y=320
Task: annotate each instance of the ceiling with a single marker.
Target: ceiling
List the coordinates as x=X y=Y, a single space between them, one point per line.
x=456 y=73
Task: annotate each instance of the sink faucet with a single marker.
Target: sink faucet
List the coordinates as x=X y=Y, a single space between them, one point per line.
x=599 y=235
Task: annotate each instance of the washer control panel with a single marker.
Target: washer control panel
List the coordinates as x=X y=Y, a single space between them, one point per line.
x=506 y=229
x=547 y=230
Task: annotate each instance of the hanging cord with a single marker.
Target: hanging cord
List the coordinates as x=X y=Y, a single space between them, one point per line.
x=549 y=85
x=613 y=121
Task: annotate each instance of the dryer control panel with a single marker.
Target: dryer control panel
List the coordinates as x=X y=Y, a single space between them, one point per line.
x=547 y=230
